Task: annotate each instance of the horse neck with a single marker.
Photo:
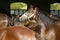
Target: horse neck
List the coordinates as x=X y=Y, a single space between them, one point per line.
x=44 y=19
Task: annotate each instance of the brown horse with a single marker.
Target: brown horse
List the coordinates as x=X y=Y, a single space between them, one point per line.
x=17 y=33
x=48 y=29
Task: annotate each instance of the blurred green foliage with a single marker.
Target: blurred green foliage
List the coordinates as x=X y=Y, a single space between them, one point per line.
x=18 y=5
x=55 y=6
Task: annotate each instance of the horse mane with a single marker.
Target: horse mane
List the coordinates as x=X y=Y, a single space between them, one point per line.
x=44 y=18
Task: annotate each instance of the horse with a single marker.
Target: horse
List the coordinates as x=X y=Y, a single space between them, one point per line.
x=30 y=21
x=45 y=27
x=17 y=33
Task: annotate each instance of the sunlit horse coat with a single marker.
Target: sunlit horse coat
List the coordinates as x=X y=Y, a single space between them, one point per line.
x=17 y=33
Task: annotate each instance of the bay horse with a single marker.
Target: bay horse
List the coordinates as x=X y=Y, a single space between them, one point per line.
x=48 y=29
x=17 y=33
